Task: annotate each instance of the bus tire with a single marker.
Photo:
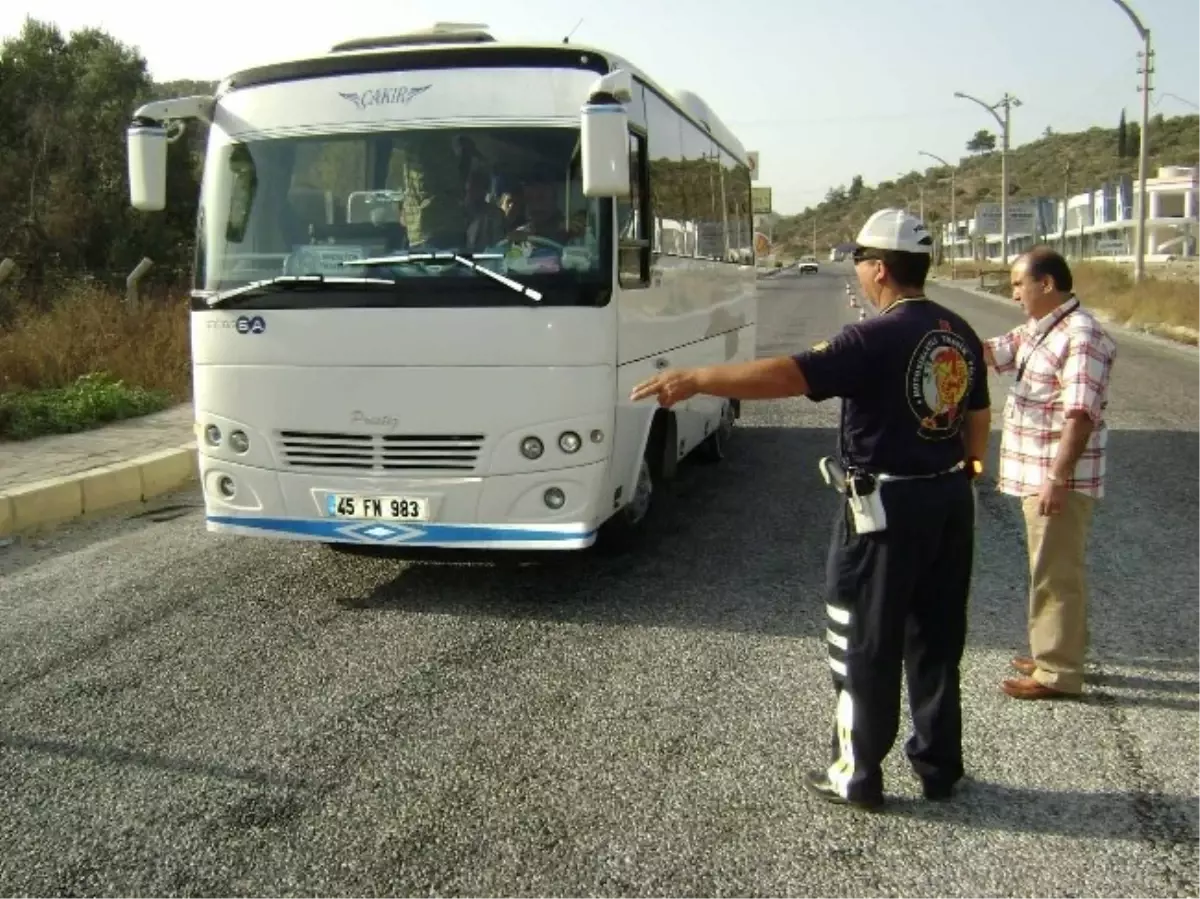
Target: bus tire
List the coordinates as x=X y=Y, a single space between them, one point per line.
x=622 y=530
x=713 y=448
x=658 y=465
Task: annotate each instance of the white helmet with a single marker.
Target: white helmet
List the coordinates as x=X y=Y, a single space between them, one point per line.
x=895 y=229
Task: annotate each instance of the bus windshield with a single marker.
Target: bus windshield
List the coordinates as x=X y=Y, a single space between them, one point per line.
x=511 y=198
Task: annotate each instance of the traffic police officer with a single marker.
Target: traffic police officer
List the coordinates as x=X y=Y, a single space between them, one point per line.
x=914 y=427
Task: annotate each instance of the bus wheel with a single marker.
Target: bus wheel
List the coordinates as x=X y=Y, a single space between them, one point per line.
x=643 y=495
x=713 y=447
x=621 y=531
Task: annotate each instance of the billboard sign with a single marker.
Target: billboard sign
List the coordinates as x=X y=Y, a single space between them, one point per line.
x=760 y=200
x=1023 y=218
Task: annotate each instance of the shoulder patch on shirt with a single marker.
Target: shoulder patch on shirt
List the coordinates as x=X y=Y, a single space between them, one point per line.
x=940 y=373
x=820 y=347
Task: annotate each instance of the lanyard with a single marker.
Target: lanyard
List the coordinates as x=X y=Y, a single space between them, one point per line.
x=1058 y=321
x=902 y=301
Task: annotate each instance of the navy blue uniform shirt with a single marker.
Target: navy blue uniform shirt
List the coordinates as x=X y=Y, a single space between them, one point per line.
x=907 y=378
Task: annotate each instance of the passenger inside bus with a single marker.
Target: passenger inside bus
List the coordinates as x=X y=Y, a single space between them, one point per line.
x=487 y=226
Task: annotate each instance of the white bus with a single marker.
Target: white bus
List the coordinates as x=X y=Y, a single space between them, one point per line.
x=429 y=269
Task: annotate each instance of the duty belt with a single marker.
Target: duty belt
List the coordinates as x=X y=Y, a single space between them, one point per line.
x=884 y=476
x=836 y=475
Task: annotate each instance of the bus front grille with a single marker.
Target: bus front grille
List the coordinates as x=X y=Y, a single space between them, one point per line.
x=380 y=452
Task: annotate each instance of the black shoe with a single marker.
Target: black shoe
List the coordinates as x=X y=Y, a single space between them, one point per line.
x=939 y=791
x=817 y=783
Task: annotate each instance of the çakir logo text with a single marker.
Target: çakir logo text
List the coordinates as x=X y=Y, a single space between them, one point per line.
x=384 y=96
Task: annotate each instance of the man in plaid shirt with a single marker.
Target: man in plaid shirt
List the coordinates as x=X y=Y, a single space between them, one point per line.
x=1052 y=456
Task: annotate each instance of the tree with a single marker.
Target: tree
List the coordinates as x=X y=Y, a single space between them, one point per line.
x=983 y=142
x=65 y=104
x=856 y=187
x=1122 y=138
x=836 y=195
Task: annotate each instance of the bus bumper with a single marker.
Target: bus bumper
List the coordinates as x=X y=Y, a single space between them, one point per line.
x=499 y=512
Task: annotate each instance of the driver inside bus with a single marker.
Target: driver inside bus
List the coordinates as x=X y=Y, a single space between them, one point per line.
x=542 y=215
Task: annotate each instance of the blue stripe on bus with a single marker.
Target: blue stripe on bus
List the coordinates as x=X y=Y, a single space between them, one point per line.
x=396 y=532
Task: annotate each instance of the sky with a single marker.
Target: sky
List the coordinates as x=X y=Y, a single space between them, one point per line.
x=823 y=89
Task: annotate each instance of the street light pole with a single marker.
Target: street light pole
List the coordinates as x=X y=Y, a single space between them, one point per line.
x=1147 y=55
x=1007 y=101
x=953 y=216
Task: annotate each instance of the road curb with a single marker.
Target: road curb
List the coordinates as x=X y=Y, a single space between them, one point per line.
x=1119 y=329
x=45 y=504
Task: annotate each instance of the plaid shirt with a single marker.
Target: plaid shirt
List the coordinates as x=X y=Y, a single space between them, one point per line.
x=1068 y=371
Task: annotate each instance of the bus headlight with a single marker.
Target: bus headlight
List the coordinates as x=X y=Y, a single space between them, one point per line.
x=239 y=441
x=569 y=442
x=554 y=498
x=212 y=435
x=532 y=448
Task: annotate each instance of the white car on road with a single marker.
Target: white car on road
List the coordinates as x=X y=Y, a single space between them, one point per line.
x=808 y=264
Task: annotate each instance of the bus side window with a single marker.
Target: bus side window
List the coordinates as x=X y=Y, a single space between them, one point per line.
x=633 y=217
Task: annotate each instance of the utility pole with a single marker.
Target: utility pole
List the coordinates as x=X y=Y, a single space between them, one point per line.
x=814 y=237
x=1007 y=101
x=1004 y=188
x=1066 y=196
x=1139 y=258
x=1147 y=68
x=953 y=215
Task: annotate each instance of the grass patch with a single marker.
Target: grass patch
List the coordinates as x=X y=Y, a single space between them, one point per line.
x=88 y=360
x=92 y=400
x=1169 y=306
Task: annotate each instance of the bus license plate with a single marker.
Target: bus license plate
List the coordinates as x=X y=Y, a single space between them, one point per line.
x=385 y=508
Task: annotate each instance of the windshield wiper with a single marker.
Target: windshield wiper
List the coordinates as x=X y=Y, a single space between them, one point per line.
x=285 y=282
x=464 y=259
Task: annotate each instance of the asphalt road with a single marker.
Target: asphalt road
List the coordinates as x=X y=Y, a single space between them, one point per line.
x=187 y=714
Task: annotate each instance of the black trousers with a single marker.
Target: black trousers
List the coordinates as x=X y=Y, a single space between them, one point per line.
x=899 y=598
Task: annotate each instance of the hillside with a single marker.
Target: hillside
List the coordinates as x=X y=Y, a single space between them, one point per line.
x=1081 y=160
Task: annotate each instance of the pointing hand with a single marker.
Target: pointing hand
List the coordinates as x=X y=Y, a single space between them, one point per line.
x=671 y=387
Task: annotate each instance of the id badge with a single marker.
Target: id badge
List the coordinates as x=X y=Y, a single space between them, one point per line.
x=1010 y=409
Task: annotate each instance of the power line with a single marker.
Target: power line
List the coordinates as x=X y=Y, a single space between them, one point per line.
x=1164 y=94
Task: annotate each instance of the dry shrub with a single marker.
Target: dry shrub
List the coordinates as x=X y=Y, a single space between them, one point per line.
x=90 y=330
x=1158 y=303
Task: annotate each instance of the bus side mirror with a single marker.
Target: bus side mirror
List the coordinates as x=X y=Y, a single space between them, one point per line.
x=605 y=149
x=147 y=146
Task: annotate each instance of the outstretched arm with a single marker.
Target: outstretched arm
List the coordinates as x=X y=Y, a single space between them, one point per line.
x=835 y=367
x=762 y=379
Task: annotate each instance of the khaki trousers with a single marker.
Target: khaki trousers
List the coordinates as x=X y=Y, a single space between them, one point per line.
x=1058 y=631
